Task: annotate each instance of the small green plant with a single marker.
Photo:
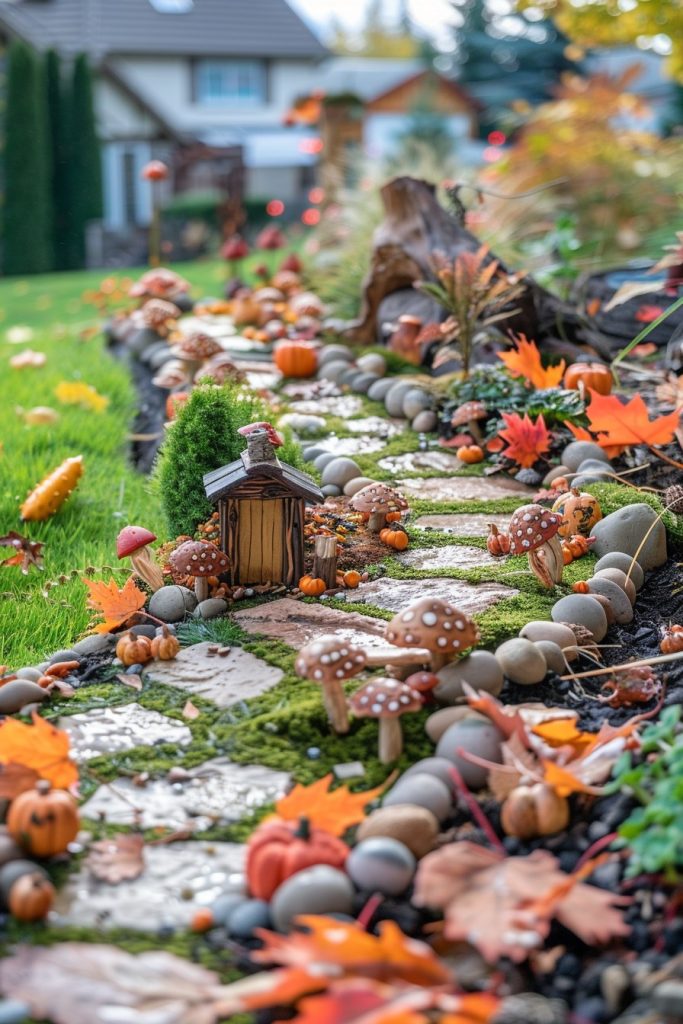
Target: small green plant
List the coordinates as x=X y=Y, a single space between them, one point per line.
x=203 y=438
x=498 y=390
x=653 y=832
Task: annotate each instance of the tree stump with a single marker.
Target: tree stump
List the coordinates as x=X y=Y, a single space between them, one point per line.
x=325 y=561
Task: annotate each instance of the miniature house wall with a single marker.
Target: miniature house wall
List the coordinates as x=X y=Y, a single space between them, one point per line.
x=261 y=504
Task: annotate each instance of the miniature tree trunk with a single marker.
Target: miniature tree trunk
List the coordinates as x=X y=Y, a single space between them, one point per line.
x=334 y=701
x=325 y=560
x=390 y=740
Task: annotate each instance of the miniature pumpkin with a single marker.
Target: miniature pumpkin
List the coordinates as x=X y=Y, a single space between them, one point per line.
x=312 y=586
x=351 y=579
x=53 y=490
x=497 y=543
x=166 y=646
x=394 y=537
x=582 y=587
x=202 y=920
x=246 y=310
x=279 y=849
x=31 y=897
x=580 y=512
x=595 y=376
x=575 y=547
x=470 y=453
x=393 y=517
x=295 y=358
x=43 y=820
x=672 y=641
x=561 y=484
x=531 y=811
x=134 y=650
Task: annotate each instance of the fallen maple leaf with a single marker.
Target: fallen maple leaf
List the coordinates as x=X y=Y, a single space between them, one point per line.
x=527 y=441
x=525 y=361
x=116 y=605
x=133 y=680
x=581 y=434
x=118 y=858
x=28 y=552
x=40 y=746
x=333 y=810
x=16 y=779
x=619 y=423
x=79 y=393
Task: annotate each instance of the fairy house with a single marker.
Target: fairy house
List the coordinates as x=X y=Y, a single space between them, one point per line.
x=261 y=503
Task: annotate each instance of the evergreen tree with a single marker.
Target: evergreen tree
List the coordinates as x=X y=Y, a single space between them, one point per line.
x=84 y=162
x=27 y=231
x=59 y=143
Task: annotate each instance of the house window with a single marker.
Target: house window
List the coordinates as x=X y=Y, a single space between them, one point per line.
x=234 y=82
x=172 y=6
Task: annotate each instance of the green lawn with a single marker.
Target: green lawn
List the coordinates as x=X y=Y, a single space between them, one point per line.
x=110 y=493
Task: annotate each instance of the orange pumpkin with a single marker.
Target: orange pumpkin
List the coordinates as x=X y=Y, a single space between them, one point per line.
x=395 y=537
x=497 y=543
x=134 y=650
x=470 y=453
x=31 y=897
x=351 y=579
x=580 y=512
x=278 y=849
x=43 y=820
x=575 y=547
x=166 y=646
x=393 y=517
x=595 y=376
x=582 y=587
x=296 y=358
x=312 y=586
x=672 y=641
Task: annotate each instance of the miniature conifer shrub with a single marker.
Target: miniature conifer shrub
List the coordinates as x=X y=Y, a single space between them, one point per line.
x=205 y=437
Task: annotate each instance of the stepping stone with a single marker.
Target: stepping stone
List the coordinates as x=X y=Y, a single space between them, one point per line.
x=418 y=462
x=176 y=879
x=468 y=597
x=456 y=556
x=263 y=380
x=112 y=730
x=352 y=445
x=225 y=681
x=341 y=405
x=218 y=791
x=465 y=488
x=376 y=426
x=463 y=524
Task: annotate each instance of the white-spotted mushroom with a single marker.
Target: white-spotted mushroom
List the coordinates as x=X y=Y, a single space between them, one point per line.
x=443 y=630
x=158 y=315
x=378 y=500
x=328 y=661
x=200 y=559
x=533 y=532
x=386 y=700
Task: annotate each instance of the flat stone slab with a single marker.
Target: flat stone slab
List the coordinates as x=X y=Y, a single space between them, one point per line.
x=420 y=462
x=464 y=488
x=395 y=595
x=176 y=879
x=263 y=380
x=218 y=791
x=335 y=405
x=352 y=445
x=112 y=730
x=463 y=524
x=455 y=556
x=376 y=426
x=226 y=680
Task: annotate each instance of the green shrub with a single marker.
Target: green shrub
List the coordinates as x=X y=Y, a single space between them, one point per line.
x=203 y=438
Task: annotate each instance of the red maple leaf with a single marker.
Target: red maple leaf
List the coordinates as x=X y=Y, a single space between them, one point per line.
x=619 y=423
x=527 y=441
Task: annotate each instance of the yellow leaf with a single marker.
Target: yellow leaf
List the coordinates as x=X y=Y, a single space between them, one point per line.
x=116 y=605
x=79 y=393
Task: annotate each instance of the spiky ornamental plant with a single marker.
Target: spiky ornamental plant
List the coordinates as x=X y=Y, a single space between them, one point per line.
x=205 y=437
x=85 y=178
x=57 y=130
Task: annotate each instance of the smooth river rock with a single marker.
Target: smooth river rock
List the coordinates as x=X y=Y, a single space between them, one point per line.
x=624 y=531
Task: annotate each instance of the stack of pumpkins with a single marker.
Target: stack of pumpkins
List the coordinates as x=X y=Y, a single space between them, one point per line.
x=41 y=823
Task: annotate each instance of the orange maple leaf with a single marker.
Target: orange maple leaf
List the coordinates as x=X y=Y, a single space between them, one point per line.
x=563 y=780
x=619 y=423
x=527 y=441
x=333 y=810
x=525 y=361
x=562 y=732
x=117 y=605
x=41 y=747
x=581 y=434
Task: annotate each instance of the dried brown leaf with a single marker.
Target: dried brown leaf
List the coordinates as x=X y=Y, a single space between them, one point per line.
x=132 y=680
x=117 y=859
x=190 y=711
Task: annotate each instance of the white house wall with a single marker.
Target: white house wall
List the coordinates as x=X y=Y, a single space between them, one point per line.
x=119 y=117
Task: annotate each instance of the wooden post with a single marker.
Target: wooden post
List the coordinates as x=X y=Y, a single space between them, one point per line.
x=325 y=560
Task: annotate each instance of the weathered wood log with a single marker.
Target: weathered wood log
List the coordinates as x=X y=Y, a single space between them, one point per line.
x=325 y=560
x=415 y=227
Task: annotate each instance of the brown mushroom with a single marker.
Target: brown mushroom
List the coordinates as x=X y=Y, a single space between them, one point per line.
x=159 y=283
x=171 y=375
x=435 y=625
x=533 y=532
x=132 y=541
x=328 y=661
x=159 y=315
x=193 y=349
x=378 y=500
x=221 y=368
x=386 y=700
x=199 y=558
x=467 y=415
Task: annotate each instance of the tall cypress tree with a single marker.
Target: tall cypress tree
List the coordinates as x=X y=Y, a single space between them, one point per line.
x=27 y=229
x=85 y=169
x=59 y=143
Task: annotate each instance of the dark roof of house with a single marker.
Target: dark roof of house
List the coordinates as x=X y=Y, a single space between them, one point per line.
x=219 y=483
x=229 y=28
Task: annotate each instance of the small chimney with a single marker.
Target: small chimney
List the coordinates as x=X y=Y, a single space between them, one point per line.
x=259 y=448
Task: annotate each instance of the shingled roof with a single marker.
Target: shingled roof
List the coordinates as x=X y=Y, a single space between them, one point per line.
x=229 y=28
x=220 y=482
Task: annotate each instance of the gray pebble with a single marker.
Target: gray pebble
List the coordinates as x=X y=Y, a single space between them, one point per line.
x=33 y=674
x=223 y=907
x=250 y=914
x=96 y=644
x=363 y=382
x=667 y=998
x=12 y=1011
x=340 y=471
x=331 y=490
x=16 y=694
x=212 y=608
x=583 y=610
x=168 y=627
x=578 y=451
x=170 y=604
x=322 y=460
x=311 y=453
x=625 y=529
x=146 y=629
x=67 y=655
x=134 y=670
x=356 y=485
x=620 y=560
x=425 y=422
x=378 y=391
x=381 y=864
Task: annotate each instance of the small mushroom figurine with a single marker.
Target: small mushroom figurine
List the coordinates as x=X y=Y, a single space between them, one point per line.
x=378 y=500
x=199 y=558
x=435 y=625
x=533 y=531
x=193 y=349
x=386 y=700
x=328 y=661
x=468 y=414
x=133 y=542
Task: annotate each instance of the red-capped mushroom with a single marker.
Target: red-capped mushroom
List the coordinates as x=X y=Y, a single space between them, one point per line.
x=270 y=430
x=160 y=283
x=199 y=558
x=468 y=414
x=132 y=543
x=328 y=661
x=386 y=700
x=378 y=500
x=533 y=532
x=423 y=683
x=443 y=630
x=155 y=170
x=234 y=251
